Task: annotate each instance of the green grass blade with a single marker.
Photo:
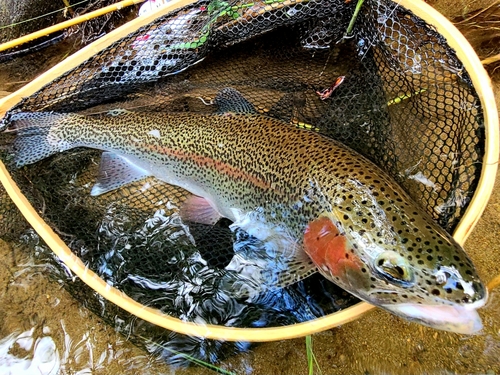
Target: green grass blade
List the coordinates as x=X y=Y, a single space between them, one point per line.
x=309 y=352
x=191 y=359
x=42 y=16
x=311 y=358
x=399 y=99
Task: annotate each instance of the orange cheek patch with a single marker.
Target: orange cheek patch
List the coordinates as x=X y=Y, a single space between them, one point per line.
x=327 y=247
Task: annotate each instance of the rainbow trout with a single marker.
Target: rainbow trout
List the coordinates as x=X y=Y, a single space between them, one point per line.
x=300 y=191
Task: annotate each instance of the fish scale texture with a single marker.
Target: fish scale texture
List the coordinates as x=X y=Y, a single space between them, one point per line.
x=406 y=103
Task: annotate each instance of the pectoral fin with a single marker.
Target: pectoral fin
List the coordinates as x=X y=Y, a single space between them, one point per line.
x=248 y=277
x=114 y=172
x=264 y=264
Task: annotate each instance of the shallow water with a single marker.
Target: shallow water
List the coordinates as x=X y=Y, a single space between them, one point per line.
x=39 y=316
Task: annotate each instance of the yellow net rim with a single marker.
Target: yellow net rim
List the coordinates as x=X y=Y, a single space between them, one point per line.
x=454 y=38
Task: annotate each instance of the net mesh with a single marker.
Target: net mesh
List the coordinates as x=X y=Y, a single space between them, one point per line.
x=404 y=100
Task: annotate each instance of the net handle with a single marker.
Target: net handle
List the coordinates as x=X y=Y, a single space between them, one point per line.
x=455 y=39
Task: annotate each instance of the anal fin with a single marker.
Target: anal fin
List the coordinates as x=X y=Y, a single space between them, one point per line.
x=116 y=171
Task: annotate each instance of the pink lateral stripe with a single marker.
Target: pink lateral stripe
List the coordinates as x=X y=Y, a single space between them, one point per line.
x=208 y=162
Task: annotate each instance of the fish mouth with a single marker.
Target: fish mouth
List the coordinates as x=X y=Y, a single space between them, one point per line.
x=456 y=318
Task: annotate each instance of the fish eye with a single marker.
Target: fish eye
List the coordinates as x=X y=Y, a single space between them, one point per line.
x=394 y=268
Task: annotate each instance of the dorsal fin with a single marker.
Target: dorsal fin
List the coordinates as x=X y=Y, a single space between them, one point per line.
x=231 y=100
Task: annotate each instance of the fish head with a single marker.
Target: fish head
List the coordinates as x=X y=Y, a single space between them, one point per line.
x=396 y=257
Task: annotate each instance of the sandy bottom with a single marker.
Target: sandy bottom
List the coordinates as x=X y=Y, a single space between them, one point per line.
x=33 y=306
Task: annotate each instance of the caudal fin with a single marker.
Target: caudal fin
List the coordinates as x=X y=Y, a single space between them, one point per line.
x=32 y=141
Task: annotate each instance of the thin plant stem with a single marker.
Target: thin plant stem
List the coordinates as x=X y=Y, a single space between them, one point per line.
x=42 y=16
x=353 y=19
x=311 y=358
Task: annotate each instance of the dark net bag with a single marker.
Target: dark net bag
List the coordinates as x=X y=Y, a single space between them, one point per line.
x=389 y=86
